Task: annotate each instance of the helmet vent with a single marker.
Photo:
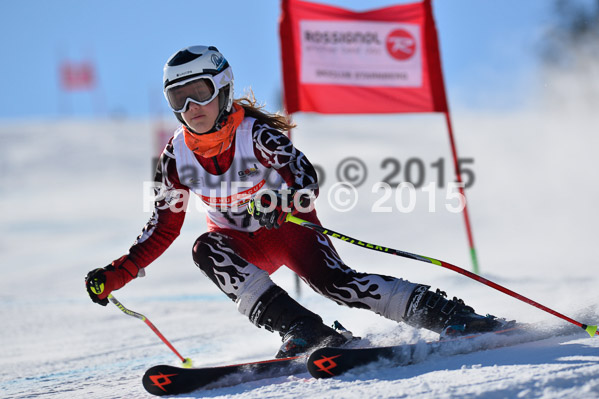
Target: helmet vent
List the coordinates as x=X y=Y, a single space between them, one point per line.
x=183 y=57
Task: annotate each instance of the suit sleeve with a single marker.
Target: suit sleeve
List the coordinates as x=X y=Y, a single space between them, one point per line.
x=274 y=150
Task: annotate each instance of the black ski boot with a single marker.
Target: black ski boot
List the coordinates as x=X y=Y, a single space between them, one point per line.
x=307 y=334
x=301 y=329
x=431 y=310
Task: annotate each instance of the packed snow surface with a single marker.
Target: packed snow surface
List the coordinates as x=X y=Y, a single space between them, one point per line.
x=72 y=195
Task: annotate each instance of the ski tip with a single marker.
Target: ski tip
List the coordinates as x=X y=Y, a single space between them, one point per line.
x=592 y=330
x=160 y=380
x=322 y=364
x=187 y=363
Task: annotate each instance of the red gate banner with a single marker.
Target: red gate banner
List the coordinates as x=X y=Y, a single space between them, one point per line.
x=77 y=76
x=337 y=61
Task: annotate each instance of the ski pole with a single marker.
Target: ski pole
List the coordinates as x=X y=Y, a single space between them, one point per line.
x=186 y=361
x=591 y=330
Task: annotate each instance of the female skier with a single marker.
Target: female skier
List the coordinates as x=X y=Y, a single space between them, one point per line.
x=229 y=152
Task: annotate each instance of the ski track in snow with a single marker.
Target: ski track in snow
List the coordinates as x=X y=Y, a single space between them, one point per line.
x=71 y=194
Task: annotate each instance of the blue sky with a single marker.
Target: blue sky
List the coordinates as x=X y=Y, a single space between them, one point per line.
x=487 y=49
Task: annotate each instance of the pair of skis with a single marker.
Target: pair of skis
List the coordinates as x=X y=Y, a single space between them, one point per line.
x=326 y=362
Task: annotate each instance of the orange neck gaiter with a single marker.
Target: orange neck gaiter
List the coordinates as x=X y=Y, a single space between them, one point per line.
x=211 y=144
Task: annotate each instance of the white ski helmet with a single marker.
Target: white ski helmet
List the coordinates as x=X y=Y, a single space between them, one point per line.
x=191 y=65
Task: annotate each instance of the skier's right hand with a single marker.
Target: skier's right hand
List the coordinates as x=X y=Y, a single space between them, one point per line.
x=102 y=281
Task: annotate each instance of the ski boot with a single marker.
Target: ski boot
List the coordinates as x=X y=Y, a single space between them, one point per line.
x=433 y=311
x=301 y=329
x=308 y=334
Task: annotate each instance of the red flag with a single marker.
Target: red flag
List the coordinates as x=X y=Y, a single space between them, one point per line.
x=380 y=61
x=77 y=76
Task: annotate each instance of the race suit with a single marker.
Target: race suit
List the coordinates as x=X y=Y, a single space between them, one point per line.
x=236 y=253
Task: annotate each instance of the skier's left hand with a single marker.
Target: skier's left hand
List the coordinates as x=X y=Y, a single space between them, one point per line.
x=270 y=208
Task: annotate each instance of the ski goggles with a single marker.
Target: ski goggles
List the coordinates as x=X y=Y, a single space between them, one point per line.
x=199 y=89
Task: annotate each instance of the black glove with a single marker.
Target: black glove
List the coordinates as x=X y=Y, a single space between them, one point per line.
x=270 y=207
x=95 y=283
x=101 y=282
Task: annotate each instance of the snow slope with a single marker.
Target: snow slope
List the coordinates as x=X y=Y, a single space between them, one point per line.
x=72 y=199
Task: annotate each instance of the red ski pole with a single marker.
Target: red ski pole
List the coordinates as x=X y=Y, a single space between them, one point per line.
x=186 y=361
x=591 y=330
